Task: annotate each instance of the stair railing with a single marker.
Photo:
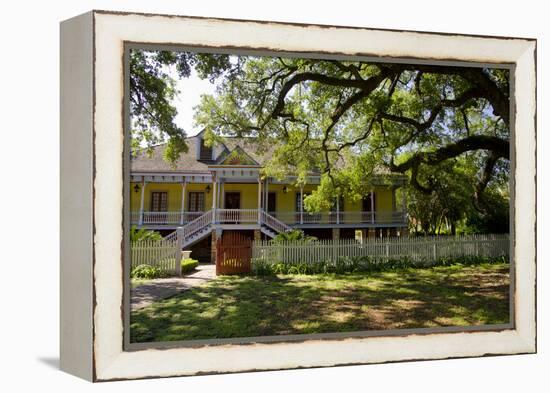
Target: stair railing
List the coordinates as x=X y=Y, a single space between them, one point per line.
x=197 y=225
x=273 y=223
x=171 y=237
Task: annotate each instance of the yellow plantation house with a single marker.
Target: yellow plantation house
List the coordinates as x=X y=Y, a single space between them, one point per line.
x=212 y=190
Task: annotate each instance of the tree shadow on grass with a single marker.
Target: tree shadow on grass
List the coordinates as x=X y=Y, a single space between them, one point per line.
x=259 y=306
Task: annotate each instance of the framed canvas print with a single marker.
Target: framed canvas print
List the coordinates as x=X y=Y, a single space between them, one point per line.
x=245 y=195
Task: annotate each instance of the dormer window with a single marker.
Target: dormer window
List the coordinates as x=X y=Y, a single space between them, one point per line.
x=205 y=152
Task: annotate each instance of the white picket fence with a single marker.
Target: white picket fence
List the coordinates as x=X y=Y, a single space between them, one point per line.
x=417 y=249
x=160 y=253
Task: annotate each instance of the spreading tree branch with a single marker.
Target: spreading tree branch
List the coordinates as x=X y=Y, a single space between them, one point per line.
x=367 y=85
x=457 y=102
x=498 y=98
x=499 y=148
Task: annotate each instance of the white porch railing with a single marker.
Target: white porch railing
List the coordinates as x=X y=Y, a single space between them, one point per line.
x=161 y=217
x=134 y=217
x=164 y=218
x=236 y=216
x=249 y=216
x=293 y=218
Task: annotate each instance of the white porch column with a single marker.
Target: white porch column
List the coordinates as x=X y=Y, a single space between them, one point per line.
x=301 y=204
x=222 y=194
x=143 y=184
x=218 y=196
x=372 y=205
x=182 y=211
x=266 y=193
x=259 y=200
x=214 y=193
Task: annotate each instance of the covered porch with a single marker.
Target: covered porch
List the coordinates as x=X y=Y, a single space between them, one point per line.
x=233 y=195
x=238 y=195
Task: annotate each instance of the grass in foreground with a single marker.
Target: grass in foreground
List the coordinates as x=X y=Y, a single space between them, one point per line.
x=234 y=306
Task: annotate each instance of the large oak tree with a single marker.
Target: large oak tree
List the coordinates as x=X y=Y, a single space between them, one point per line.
x=352 y=119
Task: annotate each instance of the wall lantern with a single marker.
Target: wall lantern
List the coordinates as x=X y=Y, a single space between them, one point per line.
x=285 y=189
x=207 y=189
x=136 y=188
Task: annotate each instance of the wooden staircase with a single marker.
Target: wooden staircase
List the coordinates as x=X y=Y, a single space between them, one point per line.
x=203 y=225
x=271 y=226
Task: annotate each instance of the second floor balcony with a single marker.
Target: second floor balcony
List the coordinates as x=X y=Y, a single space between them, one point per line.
x=172 y=219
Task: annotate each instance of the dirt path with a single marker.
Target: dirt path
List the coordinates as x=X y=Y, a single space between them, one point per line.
x=161 y=288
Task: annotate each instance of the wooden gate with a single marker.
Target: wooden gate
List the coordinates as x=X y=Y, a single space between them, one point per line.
x=233 y=253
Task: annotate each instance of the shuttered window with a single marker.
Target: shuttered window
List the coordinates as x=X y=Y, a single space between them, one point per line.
x=206 y=152
x=159 y=201
x=196 y=202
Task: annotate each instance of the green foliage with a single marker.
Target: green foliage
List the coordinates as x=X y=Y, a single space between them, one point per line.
x=343 y=265
x=153 y=90
x=143 y=234
x=493 y=220
x=188 y=265
x=449 y=200
x=293 y=235
x=147 y=272
x=449 y=207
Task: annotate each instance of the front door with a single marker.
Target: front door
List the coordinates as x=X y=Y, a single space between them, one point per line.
x=232 y=201
x=271 y=203
x=369 y=207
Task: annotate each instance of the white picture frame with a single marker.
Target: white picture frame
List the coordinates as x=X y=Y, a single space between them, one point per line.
x=92 y=194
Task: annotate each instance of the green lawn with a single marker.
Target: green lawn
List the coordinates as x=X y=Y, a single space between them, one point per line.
x=233 y=306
